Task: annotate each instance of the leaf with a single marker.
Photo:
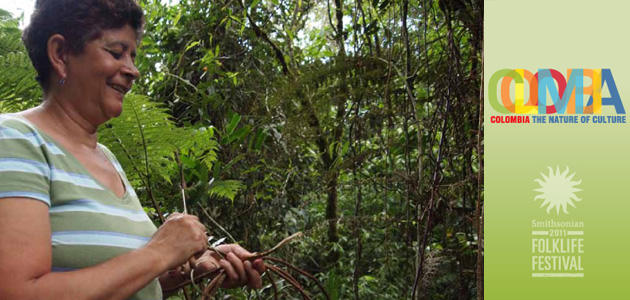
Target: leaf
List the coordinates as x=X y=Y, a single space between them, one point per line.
x=253 y=5
x=289 y=33
x=200 y=144
x=344 y=150
x=193 y=44
x=238 y=134
x=235 y=119
x=259 y=138
x=331 y=148
x=187 y=161
x=226 y=188
x=233 y=76
x=179 y=15
x=236 y=19
x=368 y=278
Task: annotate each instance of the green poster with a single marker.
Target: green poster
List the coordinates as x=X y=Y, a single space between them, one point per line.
x=557 y=141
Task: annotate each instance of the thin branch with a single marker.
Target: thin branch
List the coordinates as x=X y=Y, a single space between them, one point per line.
x=273 y=285
x=183 y=181
x=294 y=268
x=286 y=276
x=217 y=224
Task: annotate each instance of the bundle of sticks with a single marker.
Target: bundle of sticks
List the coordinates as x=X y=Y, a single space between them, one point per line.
x=272 y=265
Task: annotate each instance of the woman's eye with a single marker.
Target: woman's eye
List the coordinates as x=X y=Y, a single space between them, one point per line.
x=115 y=54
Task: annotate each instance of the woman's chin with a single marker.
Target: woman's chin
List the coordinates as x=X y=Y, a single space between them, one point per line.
x=113 y=110
x=116 y=113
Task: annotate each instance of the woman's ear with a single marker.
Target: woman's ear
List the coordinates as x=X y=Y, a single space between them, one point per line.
x=57 y=55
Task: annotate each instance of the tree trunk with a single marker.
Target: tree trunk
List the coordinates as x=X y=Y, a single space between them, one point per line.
x=331 y=209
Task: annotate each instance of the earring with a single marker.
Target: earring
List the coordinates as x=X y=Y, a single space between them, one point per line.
x=62 y=81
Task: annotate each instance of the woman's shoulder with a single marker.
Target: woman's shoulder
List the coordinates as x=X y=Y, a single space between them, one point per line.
x=15 y=129
x=16 y=122
x=21 y=137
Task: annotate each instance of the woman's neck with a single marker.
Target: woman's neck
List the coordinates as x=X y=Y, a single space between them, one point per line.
x=60 y=119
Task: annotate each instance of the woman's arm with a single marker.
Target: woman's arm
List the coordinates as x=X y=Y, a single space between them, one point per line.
x=26 y=257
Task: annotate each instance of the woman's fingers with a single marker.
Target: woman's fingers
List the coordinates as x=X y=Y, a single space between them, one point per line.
x=259 y=265
x=255 y=281
x=238 y=267
x=231 y=273
x=236 y=249
x=241 y=273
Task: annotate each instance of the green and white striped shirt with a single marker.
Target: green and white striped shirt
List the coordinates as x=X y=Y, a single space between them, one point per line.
x=89 y=223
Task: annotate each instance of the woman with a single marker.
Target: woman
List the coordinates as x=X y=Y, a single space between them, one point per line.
x=59 y=187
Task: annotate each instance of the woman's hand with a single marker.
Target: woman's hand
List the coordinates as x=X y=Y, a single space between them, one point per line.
x=179 y=238
x=239 y=272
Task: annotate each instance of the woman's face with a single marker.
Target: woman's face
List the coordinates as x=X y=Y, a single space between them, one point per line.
x=99 y=77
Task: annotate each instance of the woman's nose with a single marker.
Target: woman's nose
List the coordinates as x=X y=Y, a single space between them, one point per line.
x=130 y=70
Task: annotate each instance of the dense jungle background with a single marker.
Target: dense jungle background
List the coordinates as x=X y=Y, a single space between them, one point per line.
x=357 y=122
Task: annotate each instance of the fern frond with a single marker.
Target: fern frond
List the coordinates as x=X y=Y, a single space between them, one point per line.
x=19 y=89
x=143 y=139
x=200 y=143
x=226 y=188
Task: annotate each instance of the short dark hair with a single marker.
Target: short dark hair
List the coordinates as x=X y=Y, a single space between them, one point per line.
x=79 y=22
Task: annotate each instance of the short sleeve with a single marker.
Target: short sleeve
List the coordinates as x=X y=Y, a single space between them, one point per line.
x=24 y=167
x=112 y=158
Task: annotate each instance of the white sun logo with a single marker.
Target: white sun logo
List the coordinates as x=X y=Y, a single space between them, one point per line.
x=557 y=190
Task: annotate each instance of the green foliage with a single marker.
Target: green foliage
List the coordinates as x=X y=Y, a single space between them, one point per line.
x=226 y=188
x=19 y=89
x=143 y=138
x=275 y=116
